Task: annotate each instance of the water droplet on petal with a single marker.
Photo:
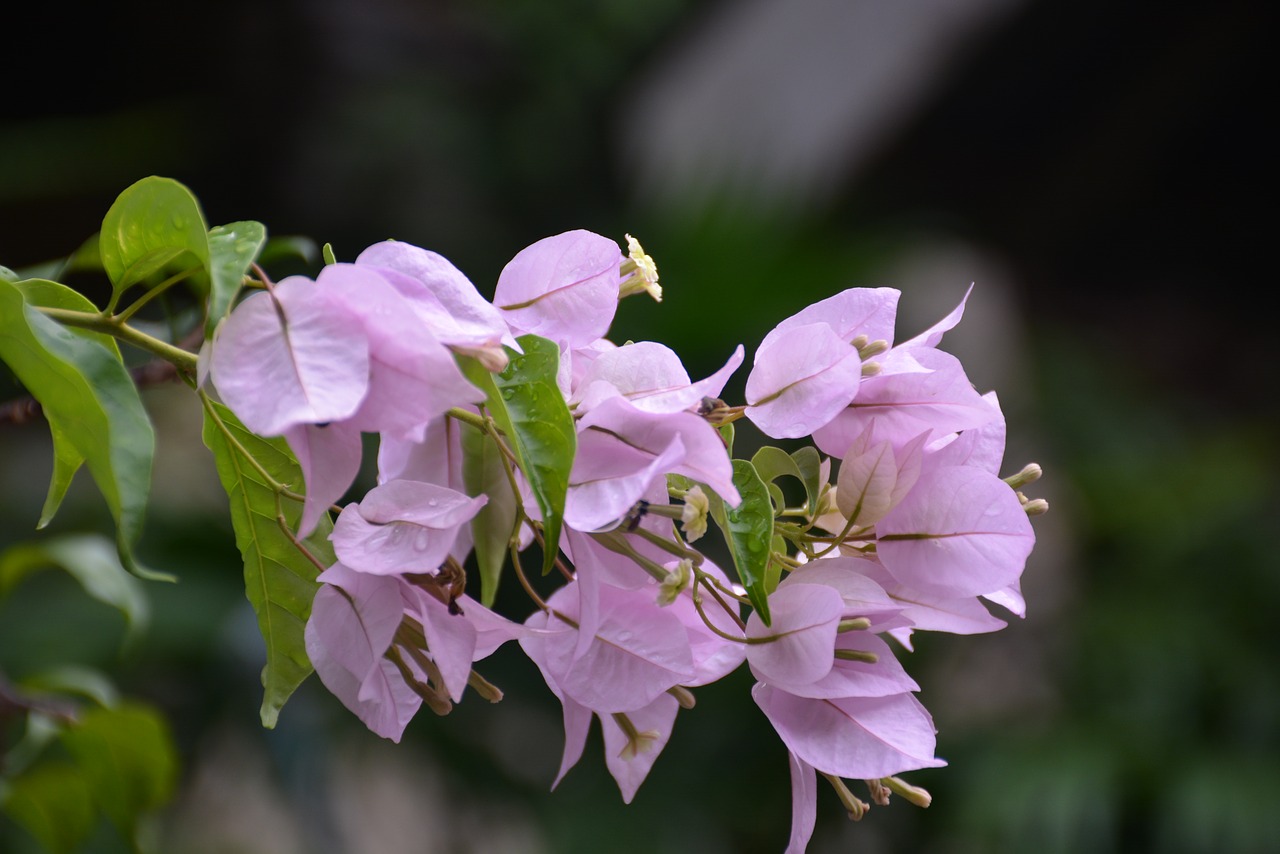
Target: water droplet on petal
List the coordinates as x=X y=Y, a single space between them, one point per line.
x=422 y=541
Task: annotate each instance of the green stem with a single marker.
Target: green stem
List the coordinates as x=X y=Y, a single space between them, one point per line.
x=152 y=294
x=477 y=421
x=117 y=329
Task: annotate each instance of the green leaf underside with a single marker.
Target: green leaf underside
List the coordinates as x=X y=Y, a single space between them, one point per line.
x=232 y=249
x=491 y=529
x=749 y=533
x=529 y=409
x=91 y=400
x=91 y=560
x=151 y=225
x=280 y=582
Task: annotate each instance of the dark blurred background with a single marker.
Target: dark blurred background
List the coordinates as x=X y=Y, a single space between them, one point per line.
x=1095 y=168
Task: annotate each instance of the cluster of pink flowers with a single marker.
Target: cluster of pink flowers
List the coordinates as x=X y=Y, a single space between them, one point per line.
x=917 y=530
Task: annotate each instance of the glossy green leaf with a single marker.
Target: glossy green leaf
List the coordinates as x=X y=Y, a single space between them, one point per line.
x=91 y=560
x=772 y=463
x=53 y=803
x=483 y=473
x=773 y=574
x=7 y=275
x=232 y=249
x=529 y=409
x=86 y=391
x=66 y=458
x=809 y=463
x=128 y=758
x=727 y=432
x=749 y=533
x=778 y=500
x=280 y=581
x=154 y=224
x=48 y=294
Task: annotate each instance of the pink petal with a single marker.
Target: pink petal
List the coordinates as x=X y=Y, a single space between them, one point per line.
x=856 y=311
x=859 y=738
x=609 y=476
x=329 y=457
x=862 y=593
x=346 y=636
x=290 y=357
x=443 y=298
x=904 y=405
x=803 y=377
x=651 y=376
x=705 y=458
x=639 y=651
x=804 y=803
x=859 y=678
x=402 y=526
x=413 y=377
x=629 y=768
x=564 y=287
x=451 y=638
x=932 y=336
x=960 y=532
x=802 y=636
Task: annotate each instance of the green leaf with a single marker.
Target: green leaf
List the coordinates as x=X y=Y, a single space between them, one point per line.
x=772 y=463
x=483 y=473
x=232 y=249
x=279 y=580
x=776 y=497
x=90 y=397
x=749 y=533
x=774 y=572
x=290 y=247
x=67 y=460
x=809 y=463
x=154 y=224
x=53 y=803
x=727 y=433
x=47 y=294
x=76 y=680
x=91 y=560
x=529 y=409
x=128 y=759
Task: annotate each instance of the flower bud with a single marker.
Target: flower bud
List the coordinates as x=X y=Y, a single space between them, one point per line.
x=1030 y=474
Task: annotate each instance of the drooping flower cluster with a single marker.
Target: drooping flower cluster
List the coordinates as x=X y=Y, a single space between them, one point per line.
x=916 y=531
